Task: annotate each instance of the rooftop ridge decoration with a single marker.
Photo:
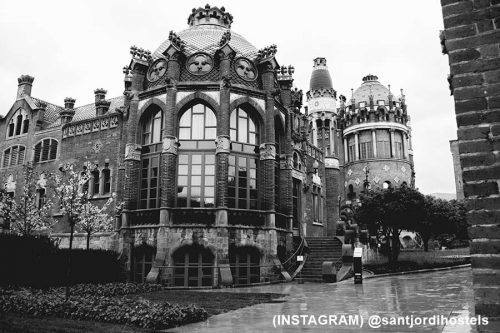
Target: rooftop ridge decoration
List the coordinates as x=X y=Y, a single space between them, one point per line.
x=176 y=41
x=139 y=53
x=210 y=15
x=320 y=61
x=226 y=37
x=267 y=52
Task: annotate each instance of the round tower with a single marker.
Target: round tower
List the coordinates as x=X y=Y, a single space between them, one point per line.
x=376 y=139
x=322 y=107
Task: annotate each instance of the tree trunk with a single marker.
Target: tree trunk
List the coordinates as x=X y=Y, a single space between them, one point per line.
x=68 y=271
x=395 y=245
x=425 y=239
x=88 y=240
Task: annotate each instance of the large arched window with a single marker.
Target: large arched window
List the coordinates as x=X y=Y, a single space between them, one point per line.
x=243 y=161
x=142 y=261
x=13 y=156
x=196 y=174
x=46 y=150
x=193 y=266
x=18 y=124
x=152 y=126
x=245 y=264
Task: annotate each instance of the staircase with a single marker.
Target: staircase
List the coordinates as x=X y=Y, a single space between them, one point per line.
x=321 y=249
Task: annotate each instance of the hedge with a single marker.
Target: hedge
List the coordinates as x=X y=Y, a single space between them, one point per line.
x=118 y=310
x=36 y=261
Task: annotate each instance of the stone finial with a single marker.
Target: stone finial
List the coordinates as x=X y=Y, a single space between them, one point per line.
x=69 y=103
x=210 y=15
x=267 y=52
x=176 y=41
x=226 y=37
x=100 y=94
x=370 y=78
x=139 y=53
x=319 y=62
x=25 y=82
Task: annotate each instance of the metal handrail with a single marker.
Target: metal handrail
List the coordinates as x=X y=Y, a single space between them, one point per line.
x=303 y=239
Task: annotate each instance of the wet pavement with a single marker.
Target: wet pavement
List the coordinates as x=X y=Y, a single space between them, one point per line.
x=345 y=307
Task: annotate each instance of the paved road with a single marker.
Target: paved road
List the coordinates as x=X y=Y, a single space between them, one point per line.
x=444 y=293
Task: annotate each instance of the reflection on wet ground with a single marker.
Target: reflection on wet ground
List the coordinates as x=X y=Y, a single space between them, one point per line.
x=443 y=293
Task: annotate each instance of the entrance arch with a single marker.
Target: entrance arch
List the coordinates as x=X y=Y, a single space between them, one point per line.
x=193 y=266
x=245 y=264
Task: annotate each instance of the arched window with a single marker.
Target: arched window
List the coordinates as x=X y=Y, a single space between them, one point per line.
x=106 y=176
x=245 y=264
x=96 y=182
x=142 y=260
x=243 y=161
x=152 y=126
x=351 y=195
x=196 y=174
x=46 y=150
x=13 y=156
x=41 y=195
x=193 y=266
x=18 y=124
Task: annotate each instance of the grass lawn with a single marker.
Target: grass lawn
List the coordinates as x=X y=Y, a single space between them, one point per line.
x=418 y=259
x=212 y=301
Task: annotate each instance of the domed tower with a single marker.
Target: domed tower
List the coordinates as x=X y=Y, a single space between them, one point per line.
x=207 y=153
x=322 y=107
x=376 y=139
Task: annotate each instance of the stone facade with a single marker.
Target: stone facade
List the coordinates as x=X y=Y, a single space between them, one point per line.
x=472 y=41
x=212 y=159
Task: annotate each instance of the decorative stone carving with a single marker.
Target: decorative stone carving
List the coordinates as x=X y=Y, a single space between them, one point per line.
x=357 y=181
x=199 y=64
x=170 y=145
x=133 y=152
x=225 y=82
x=267 y=151
x=226 y=37
x=113 y=122
x=349 y=172
x=286 y=163
x=267 y=52
x=245 y=69
x=331 y=163
x=222 y=145
x=157 y=70
x=97 y=125
x=403 y=169
x=176 y=41
x=97 y=146
x=79 y=129
x=376 y=179
x=386 y=168
x=298 y=175
x=396 y=179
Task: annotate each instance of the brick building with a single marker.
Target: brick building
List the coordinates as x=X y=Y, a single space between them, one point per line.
x=208 y=149
x=472 y=41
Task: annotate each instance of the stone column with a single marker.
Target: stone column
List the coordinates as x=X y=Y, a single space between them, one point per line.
x=356 y=146
x=332 y=139
x=223 y=142
x=393 y=150
x=268 y=148
x=346 y=152
x=332 y=180
x=374 y=143
x=315 y=132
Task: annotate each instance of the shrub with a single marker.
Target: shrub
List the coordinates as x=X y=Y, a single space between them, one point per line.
x=36 y=261
x=118 y=310
x=112 y=289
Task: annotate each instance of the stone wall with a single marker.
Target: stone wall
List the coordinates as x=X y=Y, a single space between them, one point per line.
x=457 y=169
x=472 y=40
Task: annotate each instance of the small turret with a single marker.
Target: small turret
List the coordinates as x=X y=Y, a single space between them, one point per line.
x=25 y=82
x=68 y=112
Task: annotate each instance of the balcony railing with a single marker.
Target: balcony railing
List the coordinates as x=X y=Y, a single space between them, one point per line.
x=204 y=216
x=145 y=217
x=254 y=218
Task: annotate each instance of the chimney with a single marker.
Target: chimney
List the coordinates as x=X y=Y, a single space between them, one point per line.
x=24 y=85
x=68 y=112
x=101 y=104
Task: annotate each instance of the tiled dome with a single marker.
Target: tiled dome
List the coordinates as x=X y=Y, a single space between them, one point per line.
x=372 y=86
x=320 y=77
x=207 y=25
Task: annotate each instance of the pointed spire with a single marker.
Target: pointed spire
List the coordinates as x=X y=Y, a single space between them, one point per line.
x=403 y=97
x=390 y=96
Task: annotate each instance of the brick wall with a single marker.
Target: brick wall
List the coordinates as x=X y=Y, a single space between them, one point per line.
x=472 y=41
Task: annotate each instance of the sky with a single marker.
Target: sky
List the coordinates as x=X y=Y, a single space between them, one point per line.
x=74 y=47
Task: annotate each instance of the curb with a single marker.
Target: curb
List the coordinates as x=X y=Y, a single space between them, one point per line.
x=428 y=270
